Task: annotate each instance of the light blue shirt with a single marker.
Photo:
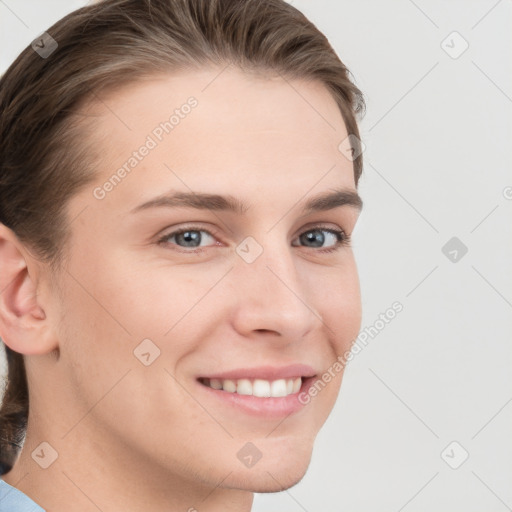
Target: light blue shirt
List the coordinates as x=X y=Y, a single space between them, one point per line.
x=13 y=500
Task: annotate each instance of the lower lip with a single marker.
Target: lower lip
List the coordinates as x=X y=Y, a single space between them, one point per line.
x=263 y=407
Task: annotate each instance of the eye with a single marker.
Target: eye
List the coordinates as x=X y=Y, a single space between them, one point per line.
x=193 y=236
x=190 y=237
x=317 y=237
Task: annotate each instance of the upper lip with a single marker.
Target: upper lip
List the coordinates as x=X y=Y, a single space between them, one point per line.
x=265 y=372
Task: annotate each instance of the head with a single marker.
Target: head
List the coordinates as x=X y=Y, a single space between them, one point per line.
x=114 y=321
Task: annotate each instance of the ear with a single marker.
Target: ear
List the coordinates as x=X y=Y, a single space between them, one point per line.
x=24 y=326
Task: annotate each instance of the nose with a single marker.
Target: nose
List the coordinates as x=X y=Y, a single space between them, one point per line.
x=270 y=296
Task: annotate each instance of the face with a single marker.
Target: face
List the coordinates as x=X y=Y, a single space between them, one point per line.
x=170 y=292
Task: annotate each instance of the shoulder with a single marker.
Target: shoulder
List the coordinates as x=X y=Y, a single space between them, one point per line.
x=13 y=500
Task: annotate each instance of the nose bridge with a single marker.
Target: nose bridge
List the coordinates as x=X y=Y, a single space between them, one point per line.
x=271 y=295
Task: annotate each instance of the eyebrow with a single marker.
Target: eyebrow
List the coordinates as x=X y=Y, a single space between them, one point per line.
x=203 y=201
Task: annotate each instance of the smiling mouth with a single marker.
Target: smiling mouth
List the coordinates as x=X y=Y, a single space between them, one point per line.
x=255 y=387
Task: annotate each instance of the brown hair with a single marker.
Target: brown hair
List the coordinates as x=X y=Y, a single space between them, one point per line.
x=44 y=158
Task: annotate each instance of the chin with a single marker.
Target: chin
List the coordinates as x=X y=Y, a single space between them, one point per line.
x=267 y=480
x=276 y=471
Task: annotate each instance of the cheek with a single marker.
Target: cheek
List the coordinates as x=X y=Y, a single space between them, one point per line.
x=339 y=303
x=108 y=315
x=104 y=319
x=99 y=316
x=94 y=334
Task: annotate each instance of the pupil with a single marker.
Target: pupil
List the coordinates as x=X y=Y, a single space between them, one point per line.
x=190 y=236
x=316 y=236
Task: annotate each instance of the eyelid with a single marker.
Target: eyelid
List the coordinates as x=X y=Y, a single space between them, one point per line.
x=168 y=232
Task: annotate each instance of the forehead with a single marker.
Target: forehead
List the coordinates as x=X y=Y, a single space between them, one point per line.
x=238 y=130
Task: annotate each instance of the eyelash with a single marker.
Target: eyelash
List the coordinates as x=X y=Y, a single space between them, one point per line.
x=343 y=238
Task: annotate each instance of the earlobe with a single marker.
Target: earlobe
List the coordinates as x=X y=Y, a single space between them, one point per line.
x=23 y=324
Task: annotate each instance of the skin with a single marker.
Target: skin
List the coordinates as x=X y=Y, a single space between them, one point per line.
x=134 y=437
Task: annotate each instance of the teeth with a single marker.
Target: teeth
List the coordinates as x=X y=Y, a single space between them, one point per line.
x=215 y=383
x=257 y=387
x=261 y=388
x=229 y=385
x=244 y=387
x=278 y=388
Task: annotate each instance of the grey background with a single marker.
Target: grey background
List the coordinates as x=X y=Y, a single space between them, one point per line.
x=438 y=133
